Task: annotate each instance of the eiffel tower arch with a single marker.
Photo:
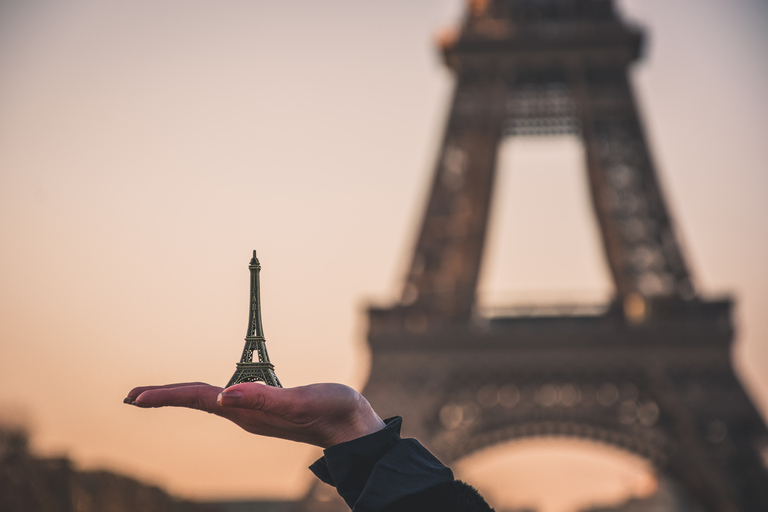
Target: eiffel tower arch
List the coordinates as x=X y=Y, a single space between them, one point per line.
x=652 y=374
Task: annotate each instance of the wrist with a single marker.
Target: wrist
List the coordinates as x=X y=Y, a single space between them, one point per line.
x=362 y=425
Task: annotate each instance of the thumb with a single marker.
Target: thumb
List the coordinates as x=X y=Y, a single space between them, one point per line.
x=249 y=395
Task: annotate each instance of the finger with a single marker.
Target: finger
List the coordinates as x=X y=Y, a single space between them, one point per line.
x=259 y=397
x=196 y=396
x=135 y=392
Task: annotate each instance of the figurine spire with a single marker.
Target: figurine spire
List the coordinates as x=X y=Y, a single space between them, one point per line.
x=249 y=370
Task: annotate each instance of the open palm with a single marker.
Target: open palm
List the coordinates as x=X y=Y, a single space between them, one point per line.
x=318 y=414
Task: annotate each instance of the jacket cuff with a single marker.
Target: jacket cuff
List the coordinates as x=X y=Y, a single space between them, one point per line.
x=374 y=471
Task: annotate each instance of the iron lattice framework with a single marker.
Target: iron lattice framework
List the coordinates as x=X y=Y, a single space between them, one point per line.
x=260 y=370
x=651 y=375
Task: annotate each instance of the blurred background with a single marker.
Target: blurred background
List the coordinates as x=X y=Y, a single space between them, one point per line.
x=147 y=147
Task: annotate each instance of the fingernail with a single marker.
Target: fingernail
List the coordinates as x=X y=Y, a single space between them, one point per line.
x=232 y=397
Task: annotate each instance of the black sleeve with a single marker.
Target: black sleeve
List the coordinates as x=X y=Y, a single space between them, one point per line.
x=455 y=496
x=382 y=472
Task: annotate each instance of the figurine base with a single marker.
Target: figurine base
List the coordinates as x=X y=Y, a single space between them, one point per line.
x=255 y=372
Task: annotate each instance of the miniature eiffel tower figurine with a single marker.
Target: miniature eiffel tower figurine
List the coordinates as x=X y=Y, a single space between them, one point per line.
x=247 y=369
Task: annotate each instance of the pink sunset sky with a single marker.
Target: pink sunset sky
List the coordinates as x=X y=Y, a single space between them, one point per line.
x=147 y=147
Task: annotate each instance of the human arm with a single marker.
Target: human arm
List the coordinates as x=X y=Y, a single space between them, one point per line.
x=372 y=468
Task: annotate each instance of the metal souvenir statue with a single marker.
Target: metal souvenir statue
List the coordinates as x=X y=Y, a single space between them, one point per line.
x=249 y=370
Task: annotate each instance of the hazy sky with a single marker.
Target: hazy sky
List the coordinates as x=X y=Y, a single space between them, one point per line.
x=147 y=146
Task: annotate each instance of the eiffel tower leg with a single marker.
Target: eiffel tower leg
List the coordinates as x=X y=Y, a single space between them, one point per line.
x=642 y=251
x=715 y=434
x=444 y=271
x=714 y=455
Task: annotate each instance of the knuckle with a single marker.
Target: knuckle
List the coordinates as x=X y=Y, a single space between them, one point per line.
x=259 y=401
x=198 y=400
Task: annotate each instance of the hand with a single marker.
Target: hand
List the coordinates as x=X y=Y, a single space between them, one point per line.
x=318 y=414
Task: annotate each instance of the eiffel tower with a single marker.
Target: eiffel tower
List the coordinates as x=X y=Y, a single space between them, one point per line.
x=249 y=370
x=653 y=374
